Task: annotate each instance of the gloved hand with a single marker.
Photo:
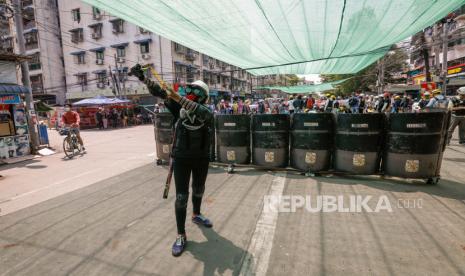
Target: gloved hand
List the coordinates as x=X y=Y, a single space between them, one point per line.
x=156 y=90
x=137 y=71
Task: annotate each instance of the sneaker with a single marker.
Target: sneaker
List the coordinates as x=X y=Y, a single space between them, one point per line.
x=201 y=220
x=179 y=245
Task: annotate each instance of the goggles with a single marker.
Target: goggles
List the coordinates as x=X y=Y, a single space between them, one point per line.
x=195 y=90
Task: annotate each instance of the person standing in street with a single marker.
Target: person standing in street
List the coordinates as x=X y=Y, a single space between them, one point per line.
x=191 y=149
x=99 y=117
x=290 y=104
x=458 y=116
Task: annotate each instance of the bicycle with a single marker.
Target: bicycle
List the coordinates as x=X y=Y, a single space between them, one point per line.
x=71 y=145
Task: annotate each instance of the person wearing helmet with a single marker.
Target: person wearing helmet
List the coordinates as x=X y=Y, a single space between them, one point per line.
x=458 y=116
x=438 y=101
x=396 y=106
x=193 y=122
x=424 y=100
x=384 y=104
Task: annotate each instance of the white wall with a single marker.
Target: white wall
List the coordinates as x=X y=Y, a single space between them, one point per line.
x=133 y=55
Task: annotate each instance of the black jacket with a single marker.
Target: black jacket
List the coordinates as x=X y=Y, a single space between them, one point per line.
x=193 y=130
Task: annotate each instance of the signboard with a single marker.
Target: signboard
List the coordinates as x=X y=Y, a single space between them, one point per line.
x=428 y=86
x=10 y=99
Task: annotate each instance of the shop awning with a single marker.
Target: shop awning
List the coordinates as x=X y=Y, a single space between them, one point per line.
x=6 y=88
x=120 y=45
x=77 y=53
x=95 y=25
x=99 y=49
x=101 y=71
x=32 y=30
x=145 y=40
x=285 y=36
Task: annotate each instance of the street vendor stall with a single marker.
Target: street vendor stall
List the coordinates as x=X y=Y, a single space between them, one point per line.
x=14 y=138
x=87 y=108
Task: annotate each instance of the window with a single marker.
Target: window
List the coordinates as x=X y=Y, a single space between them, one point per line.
x=34 y=64
x=32 y=41
x=82 y=80
x=36 y=83
x=100 y=55
x=120 y=52
x=178 y=48
x=80 y=59
x=96 y=30
x=143 y=31
x=205 y=60
x=7 y=45
x=77 y=35
x=102 y=77
x=118 y=26
x=76 y=13
x=144 y=47
x=96 y=13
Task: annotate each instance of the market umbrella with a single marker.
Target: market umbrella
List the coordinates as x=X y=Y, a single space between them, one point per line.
x=100 y=100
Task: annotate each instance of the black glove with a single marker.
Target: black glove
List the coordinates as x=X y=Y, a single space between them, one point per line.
x=155 y=89
x=137 y=71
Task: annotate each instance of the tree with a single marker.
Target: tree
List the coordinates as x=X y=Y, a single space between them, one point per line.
x=365 y=80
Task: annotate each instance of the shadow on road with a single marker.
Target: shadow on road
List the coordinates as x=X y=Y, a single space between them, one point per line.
x=218 y=254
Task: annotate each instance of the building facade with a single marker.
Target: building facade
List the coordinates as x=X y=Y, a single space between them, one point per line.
x=427 y=51
x=99 y=49
x=43 y=45
x=97 y=45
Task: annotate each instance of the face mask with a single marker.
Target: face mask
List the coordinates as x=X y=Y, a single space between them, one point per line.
x=67 y=109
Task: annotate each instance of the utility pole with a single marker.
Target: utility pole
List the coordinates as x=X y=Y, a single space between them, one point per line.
x=117 y=79
x=25 y=74
x=425 y=52
x=381 y=76
x=445 y=42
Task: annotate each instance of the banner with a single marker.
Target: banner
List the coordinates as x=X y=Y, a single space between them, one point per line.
x=10 y=99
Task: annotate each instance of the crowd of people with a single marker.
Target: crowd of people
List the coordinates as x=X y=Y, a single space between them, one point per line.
x=120 y=117
x=355 y=103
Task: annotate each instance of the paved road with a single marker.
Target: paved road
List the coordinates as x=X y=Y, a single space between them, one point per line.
x=121 y=226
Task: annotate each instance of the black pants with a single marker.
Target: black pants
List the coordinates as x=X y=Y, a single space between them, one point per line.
x=182 y=169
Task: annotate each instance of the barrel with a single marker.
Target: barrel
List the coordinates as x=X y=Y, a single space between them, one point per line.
x=233 y=139
x=311 y=141
x=415 y=142
x=270 y=140
x=358 y=144
x=163 y=127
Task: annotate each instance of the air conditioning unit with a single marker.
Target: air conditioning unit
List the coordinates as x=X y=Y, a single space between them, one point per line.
x=101 y=85
x=145 y=56
x=96 y=35
x=99 y=61
x=120 y=60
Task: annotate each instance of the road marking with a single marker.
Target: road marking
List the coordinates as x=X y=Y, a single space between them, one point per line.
x=259 y=250
x=151 y=154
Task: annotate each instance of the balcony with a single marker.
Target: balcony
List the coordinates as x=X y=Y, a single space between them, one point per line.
x=27 y=3
x=29 y=24
x=191 y=55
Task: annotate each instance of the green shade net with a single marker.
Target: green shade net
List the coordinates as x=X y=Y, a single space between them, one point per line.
x=304 y=36
x=301 y=89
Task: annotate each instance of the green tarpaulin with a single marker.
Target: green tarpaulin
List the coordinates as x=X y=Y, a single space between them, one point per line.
x=323 y=36
x=301 y=89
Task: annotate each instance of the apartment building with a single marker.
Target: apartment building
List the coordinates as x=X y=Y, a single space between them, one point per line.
x=43 y=45
x=429 y=43
x=223 y=79
x=97 y=45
